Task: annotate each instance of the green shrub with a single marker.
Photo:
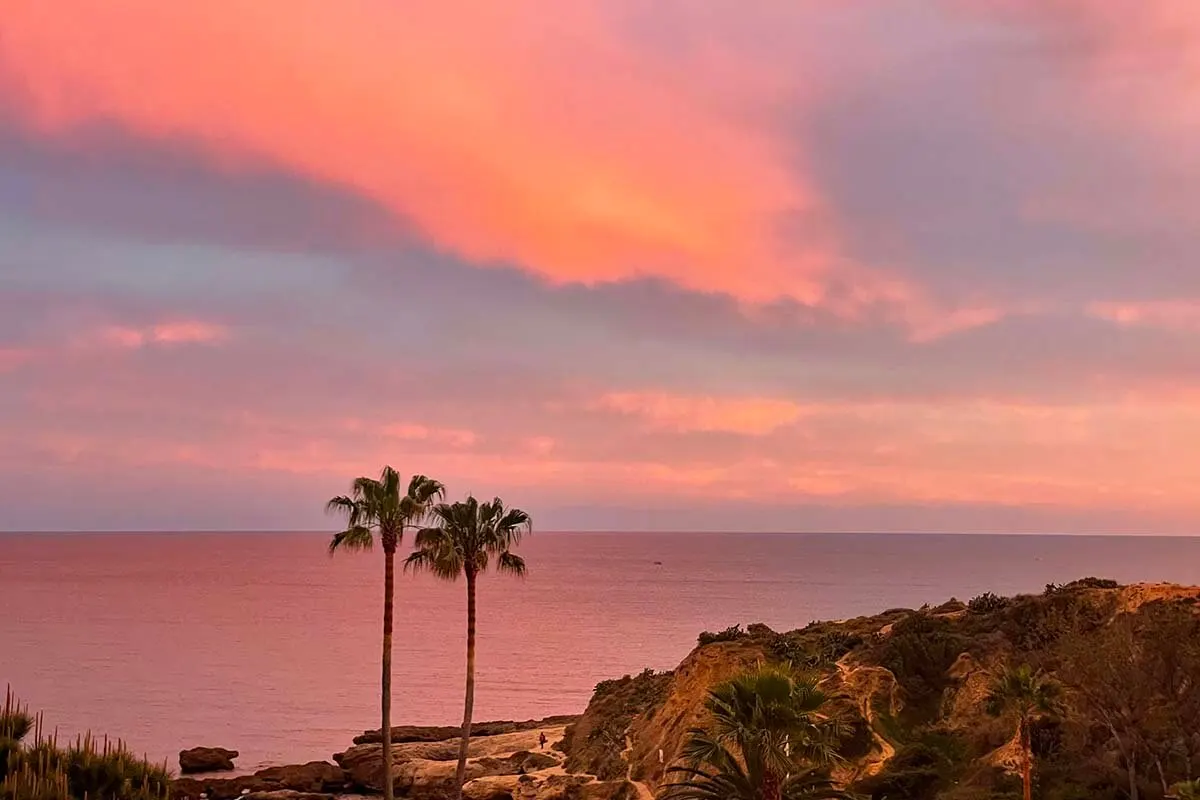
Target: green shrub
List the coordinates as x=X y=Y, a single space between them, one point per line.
x=914 y=773
x=986 y=603
x=88 y=768
x=1036 y=623
x=732 y=633
x=15 y=720
x=1082 y=583
x=1093 y=583
x=919 y=652
x=1189 y=790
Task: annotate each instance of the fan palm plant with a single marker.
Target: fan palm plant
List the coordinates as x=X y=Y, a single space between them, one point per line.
x=1024 y=695
x=379 y=507
x=465 y=540
x=768 y=739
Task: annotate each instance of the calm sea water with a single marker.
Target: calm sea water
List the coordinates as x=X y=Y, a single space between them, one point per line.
x=263 y=643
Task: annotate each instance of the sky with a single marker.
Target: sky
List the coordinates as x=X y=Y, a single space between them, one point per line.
x=628 y=264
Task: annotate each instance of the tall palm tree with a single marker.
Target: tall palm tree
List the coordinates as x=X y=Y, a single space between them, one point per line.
x=768 y=739
x=1024 y=695
x=379 y=507
x=464 y=541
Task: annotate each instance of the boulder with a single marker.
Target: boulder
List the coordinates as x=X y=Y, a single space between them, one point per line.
x=608 y=790
x=560 y=787
x=286 y=794
x=206 y=759
x=315 y=777
x=526 y=761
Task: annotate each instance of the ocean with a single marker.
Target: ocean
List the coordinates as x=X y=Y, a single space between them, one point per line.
x=264 y=643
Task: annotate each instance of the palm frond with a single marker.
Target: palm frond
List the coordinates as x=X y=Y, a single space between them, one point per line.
x=511 y=564
x=356 y=538
x=812 y=784
x=424 y=489
x=440 y=563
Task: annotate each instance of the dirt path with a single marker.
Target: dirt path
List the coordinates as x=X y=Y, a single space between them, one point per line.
x=643 y=790
x=865 y=682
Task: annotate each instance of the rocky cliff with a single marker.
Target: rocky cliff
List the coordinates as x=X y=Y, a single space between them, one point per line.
x=912 y=683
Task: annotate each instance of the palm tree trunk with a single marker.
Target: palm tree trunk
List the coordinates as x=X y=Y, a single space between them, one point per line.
x=389 y=588
x=1026 y=760
x=469 y=705
x=771 y=789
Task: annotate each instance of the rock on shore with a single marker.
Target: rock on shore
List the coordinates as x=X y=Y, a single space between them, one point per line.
x=206 y=759
x=315 y=777
x=506 y=761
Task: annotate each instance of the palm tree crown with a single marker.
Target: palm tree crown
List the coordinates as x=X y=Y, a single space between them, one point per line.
x=378 y=505
x=466 y=538
x=768 y=739
x=1023 y=693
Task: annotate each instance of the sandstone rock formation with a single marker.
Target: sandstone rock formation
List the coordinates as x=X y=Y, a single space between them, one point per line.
x=440 y=733
x=315 y=777
x=286 y=794
x=424 y=768
x=206 y=759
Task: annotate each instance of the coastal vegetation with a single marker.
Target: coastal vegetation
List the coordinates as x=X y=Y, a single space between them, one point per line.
x=36 y=767
x=1025 y=695
x=379 y=507
x=768 y=735
x=468 y=538
x=1093 y=689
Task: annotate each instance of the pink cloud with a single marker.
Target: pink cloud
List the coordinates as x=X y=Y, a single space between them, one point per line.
x=13 y=357
x=164 y=334
x=753 y=416
x=1183 y=315
x=1135 y=453
x=450 y=437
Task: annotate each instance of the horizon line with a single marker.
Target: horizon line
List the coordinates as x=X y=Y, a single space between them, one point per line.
x=614 y=532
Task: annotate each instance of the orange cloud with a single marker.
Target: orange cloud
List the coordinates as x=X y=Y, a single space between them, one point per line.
x=482 y=126
x=753 y=416
x=545 y=138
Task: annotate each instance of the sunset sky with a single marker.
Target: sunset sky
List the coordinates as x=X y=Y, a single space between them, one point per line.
x=629 y=264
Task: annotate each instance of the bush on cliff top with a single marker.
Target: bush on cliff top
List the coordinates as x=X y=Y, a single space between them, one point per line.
x=986 y=603
x=730 y=634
